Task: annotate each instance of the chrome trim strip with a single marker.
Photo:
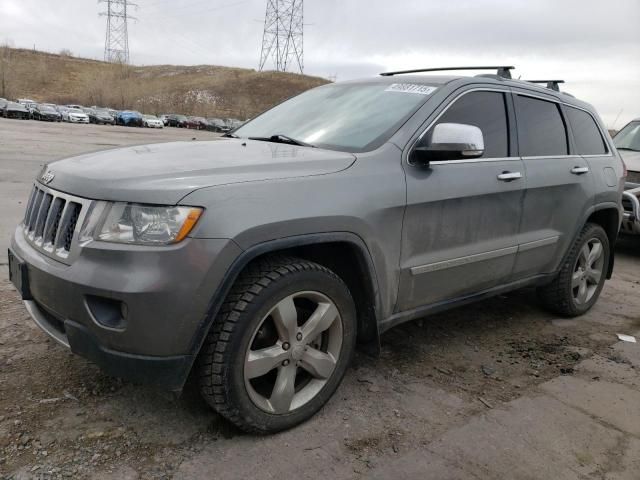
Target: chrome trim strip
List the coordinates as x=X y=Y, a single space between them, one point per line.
x=42 y=322
x=538 y=243
x=474 y=160
x=457 y=262
x=546 y=157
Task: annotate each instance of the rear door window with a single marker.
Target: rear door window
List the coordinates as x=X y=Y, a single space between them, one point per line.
x=541 y=129
x=586 y=133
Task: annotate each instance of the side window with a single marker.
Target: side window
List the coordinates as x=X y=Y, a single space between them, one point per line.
x=586 y=134
x=541 y=130
x=487 y=111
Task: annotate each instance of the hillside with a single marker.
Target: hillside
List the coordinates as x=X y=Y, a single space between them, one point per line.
x=193 y=90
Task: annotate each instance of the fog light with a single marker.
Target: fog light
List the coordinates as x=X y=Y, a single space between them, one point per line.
x=107 y=312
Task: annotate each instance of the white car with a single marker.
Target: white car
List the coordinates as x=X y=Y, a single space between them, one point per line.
x=151 y=121
x=75 y=115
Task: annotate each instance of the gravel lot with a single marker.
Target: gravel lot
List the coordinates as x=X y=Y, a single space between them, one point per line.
x=496 y=390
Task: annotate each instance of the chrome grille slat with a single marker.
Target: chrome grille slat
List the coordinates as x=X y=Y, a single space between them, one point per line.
x=27 y=212
x=36 y=209
x=45 y=206
x=52 y=222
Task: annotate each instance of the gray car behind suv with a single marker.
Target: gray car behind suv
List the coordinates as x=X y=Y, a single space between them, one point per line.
x=261 y=260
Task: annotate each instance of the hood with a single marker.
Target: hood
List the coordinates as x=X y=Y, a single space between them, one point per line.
x=631 y=159
x=166 y=172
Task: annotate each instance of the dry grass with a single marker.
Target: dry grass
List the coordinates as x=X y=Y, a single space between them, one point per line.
x=193 y=90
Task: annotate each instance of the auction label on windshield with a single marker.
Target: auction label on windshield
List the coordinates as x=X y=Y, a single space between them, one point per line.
x=410 y=88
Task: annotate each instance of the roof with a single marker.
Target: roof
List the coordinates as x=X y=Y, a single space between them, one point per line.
x=461 y=80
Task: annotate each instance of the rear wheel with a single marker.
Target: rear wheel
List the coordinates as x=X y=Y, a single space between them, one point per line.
x=280 y=345
x=581 y=279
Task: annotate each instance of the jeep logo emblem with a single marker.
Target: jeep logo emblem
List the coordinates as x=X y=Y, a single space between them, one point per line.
x=47 y=177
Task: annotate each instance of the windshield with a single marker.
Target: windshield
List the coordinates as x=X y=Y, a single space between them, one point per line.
x=628 y=137
x=150 y=117
x=352 y=117
x=46 y=108
x=75 y=110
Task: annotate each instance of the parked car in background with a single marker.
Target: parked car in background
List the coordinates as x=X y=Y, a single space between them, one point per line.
x=15 y=110
x=177 y=120
x=80 y=107
x=101 y=116
x=25 y=101
x=129 y=118
x=61 y=109
x=217 y=125
x=234 y=123
x=75 y=115
x=3 y=102
x=46 y=113
x=197 y=123
x=165 y=119
x=151 y=121
x=31 y=107
x=627 y=141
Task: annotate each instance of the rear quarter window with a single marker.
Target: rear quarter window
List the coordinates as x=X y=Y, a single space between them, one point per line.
x=586 y=133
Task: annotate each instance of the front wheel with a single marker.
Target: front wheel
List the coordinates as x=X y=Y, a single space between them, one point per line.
x=279 y=346
x=582 y=275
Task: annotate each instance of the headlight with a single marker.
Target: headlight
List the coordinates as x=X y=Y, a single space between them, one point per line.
x=147 y=224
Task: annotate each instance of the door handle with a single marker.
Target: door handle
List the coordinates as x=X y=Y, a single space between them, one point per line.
x=579 y=170
x=509 y=176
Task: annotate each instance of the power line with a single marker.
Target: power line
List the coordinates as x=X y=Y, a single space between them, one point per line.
x=282 y=39
x=116 y=42
x=191 y=13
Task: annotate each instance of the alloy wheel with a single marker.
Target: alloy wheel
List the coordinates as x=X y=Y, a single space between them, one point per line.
x=293 y=352
x=587 y=273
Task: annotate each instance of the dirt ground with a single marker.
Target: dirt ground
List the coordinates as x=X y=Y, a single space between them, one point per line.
x=499 y=389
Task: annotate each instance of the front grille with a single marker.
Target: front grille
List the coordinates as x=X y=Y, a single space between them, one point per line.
x=633 y=177
x=51 y=221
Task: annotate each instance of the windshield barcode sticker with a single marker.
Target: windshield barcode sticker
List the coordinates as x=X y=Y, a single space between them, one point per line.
x=410 y=88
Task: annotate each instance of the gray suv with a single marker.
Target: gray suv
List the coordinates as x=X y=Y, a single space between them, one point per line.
x=258 y=262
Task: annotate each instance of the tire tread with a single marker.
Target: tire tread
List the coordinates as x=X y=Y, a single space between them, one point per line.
x=213 y=356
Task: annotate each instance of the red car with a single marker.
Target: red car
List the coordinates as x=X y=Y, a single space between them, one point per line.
x=198 y=123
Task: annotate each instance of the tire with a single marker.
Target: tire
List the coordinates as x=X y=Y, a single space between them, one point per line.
x=247 y=322
x=577 y=287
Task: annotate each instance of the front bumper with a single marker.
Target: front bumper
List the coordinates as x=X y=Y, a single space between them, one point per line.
x=78 y=120
x=163 y=295
x=631 y=206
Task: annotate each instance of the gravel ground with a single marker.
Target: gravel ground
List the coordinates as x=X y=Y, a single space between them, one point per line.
x=499 y=389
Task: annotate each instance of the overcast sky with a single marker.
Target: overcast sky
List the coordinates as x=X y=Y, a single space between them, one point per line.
x=593 y=44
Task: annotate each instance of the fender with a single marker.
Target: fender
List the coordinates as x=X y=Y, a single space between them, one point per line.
x=257 y=250
x=590 y=211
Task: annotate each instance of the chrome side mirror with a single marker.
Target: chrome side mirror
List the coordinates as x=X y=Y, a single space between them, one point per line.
x=450 y=141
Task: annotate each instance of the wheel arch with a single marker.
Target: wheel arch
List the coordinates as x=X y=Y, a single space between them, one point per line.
x=607 y=215
x=343 y=252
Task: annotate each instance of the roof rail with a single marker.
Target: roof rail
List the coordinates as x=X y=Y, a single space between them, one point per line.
x=503 y=71
x=551 y=84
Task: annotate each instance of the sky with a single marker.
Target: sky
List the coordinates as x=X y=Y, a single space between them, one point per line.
x=594 y=45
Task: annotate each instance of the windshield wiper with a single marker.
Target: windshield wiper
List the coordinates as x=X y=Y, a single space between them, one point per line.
x=279 y=138
x=230 y=135
x=628 y=148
